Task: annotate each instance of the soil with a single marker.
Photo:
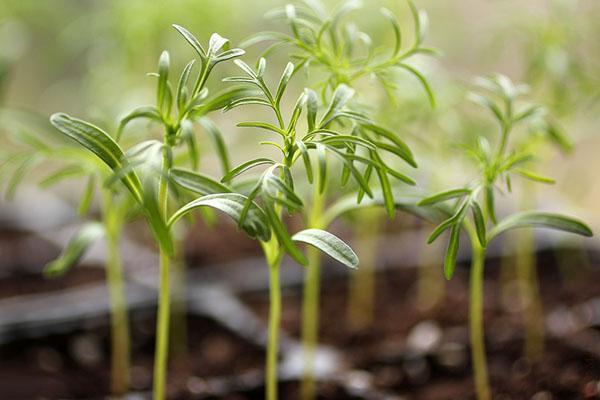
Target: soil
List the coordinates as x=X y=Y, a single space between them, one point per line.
x=564 y=372
x=76 y=365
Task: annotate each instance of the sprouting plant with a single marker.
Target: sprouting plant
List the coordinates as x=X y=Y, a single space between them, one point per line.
x=474 y=209
x=337 y=50
x=348 y=136
x=76 y=163
x=147 y=169
x=344 y=53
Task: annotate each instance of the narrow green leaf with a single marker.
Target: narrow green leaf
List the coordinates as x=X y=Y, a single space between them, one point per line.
x=312 y=105
x=451 y=252
x=306 y=159
x=255 y=223
x=60 y=175
x=98 y=142
x=223 y=97
x=229 y=54
x=283 y=236
x=279 y=191
x=322 y=170
x=263 y=125
x=264 y=37
x=191 y=39
x=397 y=31
x=386 y=189
x=341 y=96
x=455 y=219
x=541 y=219
x=444 y=196
x=246 y=68
x=402 y=149
x=246 y=166
x=297 y=111
x=196 y=182
x=162 y=96
x=328 y=244
x=216 y=43
x=535 y=177
x=149 y=112
x=247 y=101
x=219 y=143
x=421 y=78
x=490 y=203
x=182 y=85
x=558 y=135
x=487 y=103
x=479 y=223
x=75 y=249
x=283 y=81
x=189 y=136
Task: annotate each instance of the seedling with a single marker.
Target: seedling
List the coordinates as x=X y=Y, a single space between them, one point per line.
x=344 y=55
x=146 y=169
x=357 y=147
x=474 y=209
x=77 y=163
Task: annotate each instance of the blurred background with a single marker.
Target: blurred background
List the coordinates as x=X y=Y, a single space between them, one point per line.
x=90 y=59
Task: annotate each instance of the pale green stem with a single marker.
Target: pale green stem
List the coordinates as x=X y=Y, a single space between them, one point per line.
x=478 y=355
x=162 y=329
x=310 y=322
x=178 y=338
x=361 y=298
x=310 y=303
x=533 y=315
x=164 y=300
x=430 y=283
x=525 y=266
x=273 y=255
x=120 y=345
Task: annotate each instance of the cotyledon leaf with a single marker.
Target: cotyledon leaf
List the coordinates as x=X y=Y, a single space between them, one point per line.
x=196 y=182
x=541 y=219
x=329 y=244
x=102 y=145
x=255 y=223
x=98 y=142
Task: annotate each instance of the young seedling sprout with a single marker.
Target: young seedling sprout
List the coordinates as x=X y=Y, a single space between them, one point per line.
x=343 y=54
x=474 y=209
x=76 y=163
x=147 y=170
x=356 y=146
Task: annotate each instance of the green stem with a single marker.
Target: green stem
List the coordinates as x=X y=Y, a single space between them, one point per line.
x=478 y=356
x=310 y=322
x=178 y=336
x=533 y=315
x=430 y=283
x=162 y=329
x=120 y=345
x=361 y=301
x=310 y=301
x=164 y=298
x=273 y=255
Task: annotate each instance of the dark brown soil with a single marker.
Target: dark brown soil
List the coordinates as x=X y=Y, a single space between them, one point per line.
x=76 y=365
x=563 y=371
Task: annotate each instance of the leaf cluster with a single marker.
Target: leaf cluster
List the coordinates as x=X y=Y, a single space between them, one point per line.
x=327 y=41
x=474 y=206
